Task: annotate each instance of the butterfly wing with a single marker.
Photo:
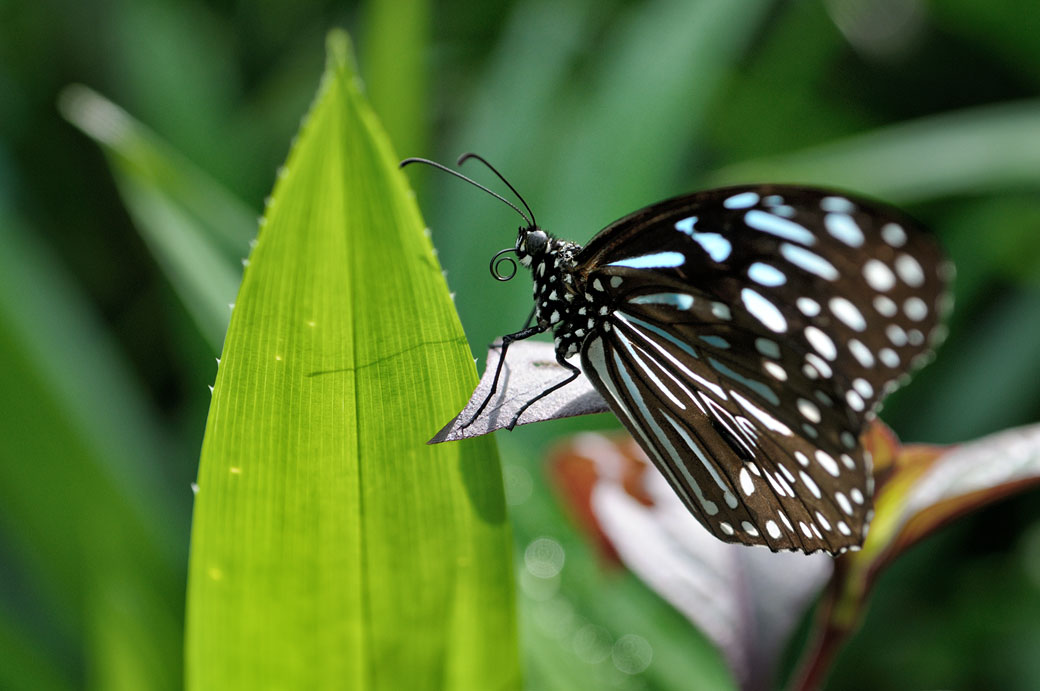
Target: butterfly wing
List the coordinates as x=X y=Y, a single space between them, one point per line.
x=752 y=332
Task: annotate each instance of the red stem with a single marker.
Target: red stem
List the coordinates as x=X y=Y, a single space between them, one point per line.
x=826 y=638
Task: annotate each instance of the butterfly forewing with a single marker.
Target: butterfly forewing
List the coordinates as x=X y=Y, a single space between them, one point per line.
x=751 y=334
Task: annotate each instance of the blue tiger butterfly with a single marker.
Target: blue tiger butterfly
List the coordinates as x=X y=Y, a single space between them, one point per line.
x=744 y=336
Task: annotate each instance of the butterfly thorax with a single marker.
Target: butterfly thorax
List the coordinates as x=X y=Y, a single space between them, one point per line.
x=563 y=301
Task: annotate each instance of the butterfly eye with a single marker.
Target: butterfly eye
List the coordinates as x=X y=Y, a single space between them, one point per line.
x=533 y=241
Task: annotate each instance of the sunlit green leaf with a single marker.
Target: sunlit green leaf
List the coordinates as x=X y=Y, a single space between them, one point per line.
x=331 y=547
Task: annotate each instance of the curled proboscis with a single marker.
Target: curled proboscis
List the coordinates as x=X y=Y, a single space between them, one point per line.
x=498 y=259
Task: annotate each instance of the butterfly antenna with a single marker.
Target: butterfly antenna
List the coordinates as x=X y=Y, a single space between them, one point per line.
x=496 y=195
x=465 y=157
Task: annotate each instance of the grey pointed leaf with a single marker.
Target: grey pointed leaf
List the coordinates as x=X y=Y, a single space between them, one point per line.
x=530 y=368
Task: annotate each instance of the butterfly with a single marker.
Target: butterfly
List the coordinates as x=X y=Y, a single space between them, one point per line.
x=744 y=336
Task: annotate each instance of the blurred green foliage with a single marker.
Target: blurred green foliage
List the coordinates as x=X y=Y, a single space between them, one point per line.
x=592 y=108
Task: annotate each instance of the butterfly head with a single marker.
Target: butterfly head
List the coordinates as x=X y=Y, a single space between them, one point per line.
x=530 y=243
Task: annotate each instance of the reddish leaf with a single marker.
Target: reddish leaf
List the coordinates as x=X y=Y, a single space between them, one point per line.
x=923 y=489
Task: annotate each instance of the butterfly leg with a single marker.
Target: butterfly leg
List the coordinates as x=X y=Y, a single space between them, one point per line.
x=506 y=340
x=575 y=373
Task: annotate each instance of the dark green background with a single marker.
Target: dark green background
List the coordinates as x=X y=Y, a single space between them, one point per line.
x=592 y=108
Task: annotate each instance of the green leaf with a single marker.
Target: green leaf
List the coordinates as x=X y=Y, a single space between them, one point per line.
x=982 y=149
x=198 y=231
x=396 y=49
x=331 y=547
x=88 y=520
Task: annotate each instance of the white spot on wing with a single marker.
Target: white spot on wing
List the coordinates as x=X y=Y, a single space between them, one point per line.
x=809 y=410
x=837 y=205
x=893 y=234
x=747 y=485
x=773 y=529
x=884 y=305
x=809 y=483
x=847 y=313
x=808 y=306
x=819 y=364
x=721 y=311
x=821 y=342
x=827 y=462
x=878 y=275
x=744 y=200
x=896 y=335
x=717 y=247
x=909 y=270
x=680 y=301
x=842 y=228
x=915 y=309
x=863 y=387
x=775 y=370
x=855 y=401
x=889 y=357
x=861 y=353
x=809 y=261
x=763 y=310
x=843 y=502
x=658 y=260
x=780 y=227
x=765 y=418
x=765 y=274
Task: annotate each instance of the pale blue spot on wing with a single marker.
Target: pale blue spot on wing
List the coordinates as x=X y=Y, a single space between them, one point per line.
x=679 y=301
x=659 y=260
x=780 y=227
x=716 y=341
x=843 y=228
x=838 y=205
x=744 y=200
x=685 y=347
x=717 y=247
x=763 y=310
x=754 y=385
x=809 y=261
x=686 y=225
x=766 y=275
x=767 y=347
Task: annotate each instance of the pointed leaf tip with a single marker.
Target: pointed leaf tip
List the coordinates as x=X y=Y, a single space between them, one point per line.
x=323 y=508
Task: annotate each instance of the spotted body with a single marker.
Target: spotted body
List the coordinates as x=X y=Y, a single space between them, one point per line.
x=745 y=336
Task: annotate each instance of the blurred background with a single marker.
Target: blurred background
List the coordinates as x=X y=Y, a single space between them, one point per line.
x=592 y=108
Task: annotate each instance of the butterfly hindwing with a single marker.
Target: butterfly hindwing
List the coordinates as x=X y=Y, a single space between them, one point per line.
x=752 y=333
